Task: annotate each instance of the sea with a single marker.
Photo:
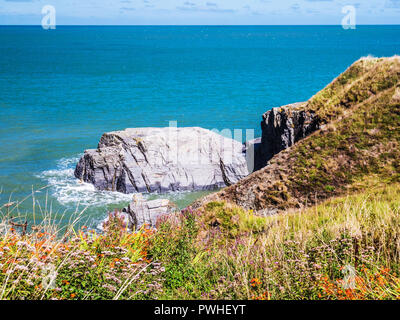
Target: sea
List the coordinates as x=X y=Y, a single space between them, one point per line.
x=61 y=89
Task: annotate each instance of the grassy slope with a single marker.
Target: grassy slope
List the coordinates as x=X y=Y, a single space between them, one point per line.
x=301 y=255
x=358 y=145
x=218 y=252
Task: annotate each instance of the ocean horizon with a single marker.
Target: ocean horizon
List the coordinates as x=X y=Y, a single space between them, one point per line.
x=62 y=89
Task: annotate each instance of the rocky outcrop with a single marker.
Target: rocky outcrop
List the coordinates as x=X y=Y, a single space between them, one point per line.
x=148 y=212
x=141 y=212
x=163 y=159
x=281 y=128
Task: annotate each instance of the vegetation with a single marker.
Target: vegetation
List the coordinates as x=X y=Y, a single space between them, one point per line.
x=336 y=235
x=49 y=263
x=345 y=248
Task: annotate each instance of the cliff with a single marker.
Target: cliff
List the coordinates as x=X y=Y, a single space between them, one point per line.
x=281 y=128
x=356 y=147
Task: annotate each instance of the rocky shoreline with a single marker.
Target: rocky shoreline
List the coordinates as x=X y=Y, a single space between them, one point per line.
x=146 y=160
x=160 y=160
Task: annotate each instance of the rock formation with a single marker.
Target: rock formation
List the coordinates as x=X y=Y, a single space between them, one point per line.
x=142 y=212
x=281 y=128
x=163 y=159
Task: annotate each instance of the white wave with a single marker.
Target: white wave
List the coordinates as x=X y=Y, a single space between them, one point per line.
x=70 y=191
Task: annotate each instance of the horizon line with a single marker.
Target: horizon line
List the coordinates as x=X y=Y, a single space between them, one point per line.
x=195 y=25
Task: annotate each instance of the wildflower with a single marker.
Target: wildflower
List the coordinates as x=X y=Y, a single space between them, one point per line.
x=255 y=282
x=21 y=268
x=21 y=244
x=29 y=282
x=109 y=287
x=73 y=295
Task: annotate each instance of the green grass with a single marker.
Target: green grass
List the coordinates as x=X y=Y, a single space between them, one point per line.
x=363 y=79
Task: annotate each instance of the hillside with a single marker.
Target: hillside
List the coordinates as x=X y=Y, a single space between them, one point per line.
x=356 y=147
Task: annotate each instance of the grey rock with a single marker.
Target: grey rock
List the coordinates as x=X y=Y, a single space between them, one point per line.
x=141 y=212
x=163 y=159
x=281 y=128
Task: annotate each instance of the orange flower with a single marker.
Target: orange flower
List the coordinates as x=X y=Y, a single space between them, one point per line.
x=255 y=282
x=73 y=295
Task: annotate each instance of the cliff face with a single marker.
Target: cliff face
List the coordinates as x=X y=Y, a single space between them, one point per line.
x=357 y=145
x=163 y=159
x=283 y=127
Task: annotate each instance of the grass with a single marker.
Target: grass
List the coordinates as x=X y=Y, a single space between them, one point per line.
x=48 y=261
x=303 y=254
x=218 y=252
x=363 y=79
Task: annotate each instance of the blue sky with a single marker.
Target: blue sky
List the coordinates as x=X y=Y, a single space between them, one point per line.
x=189 y=12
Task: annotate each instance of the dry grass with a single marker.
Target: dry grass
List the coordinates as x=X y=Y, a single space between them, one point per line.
x=305 y=254
x=218 y=252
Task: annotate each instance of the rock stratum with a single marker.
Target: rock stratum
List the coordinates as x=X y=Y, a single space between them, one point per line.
x=281 y=128
x=163 y=159
x=345 y=138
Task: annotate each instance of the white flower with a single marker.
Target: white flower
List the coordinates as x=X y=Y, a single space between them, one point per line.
x=21 y=244
x=21 y=268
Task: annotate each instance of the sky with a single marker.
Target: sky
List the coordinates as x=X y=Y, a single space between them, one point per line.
x=199 y=12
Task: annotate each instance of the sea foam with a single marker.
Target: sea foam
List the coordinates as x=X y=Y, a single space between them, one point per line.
x=70 y=191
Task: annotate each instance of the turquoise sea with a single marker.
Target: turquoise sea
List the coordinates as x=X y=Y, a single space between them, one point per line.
x=61 y=89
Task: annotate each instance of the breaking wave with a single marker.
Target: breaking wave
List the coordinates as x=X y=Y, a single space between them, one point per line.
x=69 y=191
